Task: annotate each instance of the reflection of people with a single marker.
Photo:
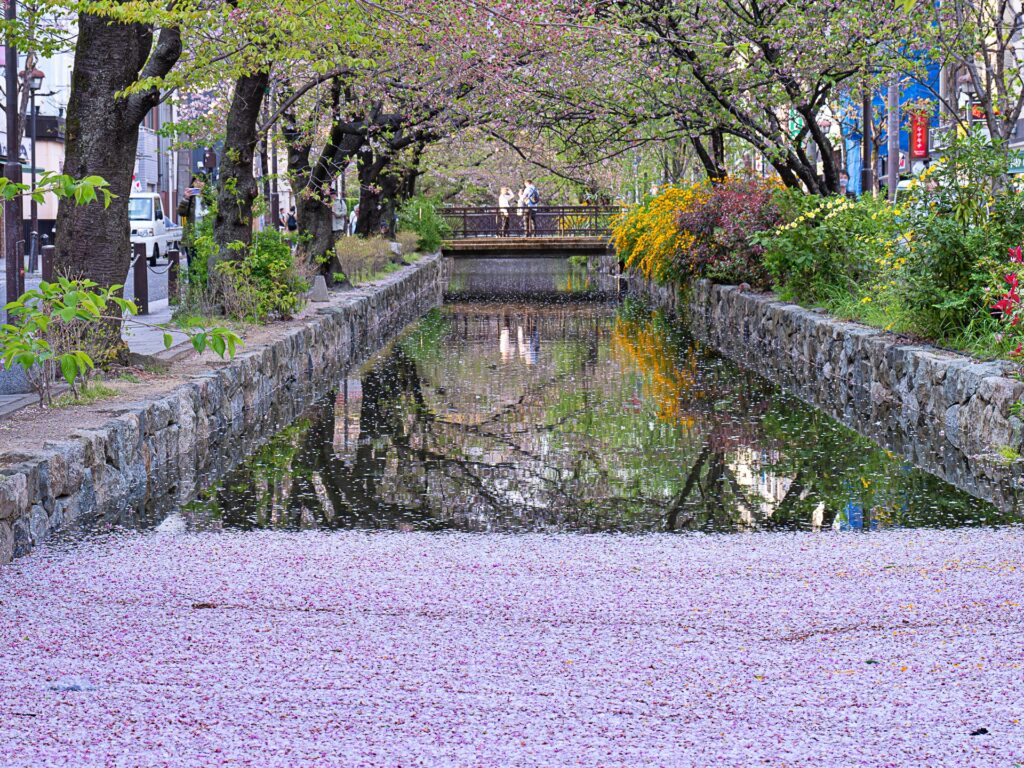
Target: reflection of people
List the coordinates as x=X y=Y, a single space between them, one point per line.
x=505 y=344
x=529 y=348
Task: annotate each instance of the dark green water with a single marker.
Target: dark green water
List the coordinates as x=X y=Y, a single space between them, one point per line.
x=574 y=417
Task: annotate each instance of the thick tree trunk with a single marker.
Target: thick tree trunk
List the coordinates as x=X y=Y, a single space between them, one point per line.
x=238 y=188
x=102 y=139
x=379 y=190
x=370 y=167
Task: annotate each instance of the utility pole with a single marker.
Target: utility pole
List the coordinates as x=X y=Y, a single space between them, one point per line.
x=13 y=257
x=893 y=136
x=867 y=184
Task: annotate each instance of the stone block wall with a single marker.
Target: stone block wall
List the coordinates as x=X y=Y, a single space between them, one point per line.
x=153 y=456
x=947 y=413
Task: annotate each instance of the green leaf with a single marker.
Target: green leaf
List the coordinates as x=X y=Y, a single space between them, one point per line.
x=168 y=340
x=69 y=368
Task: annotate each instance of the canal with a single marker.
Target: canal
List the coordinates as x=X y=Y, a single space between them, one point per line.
x=554 y=532
x=533 y=401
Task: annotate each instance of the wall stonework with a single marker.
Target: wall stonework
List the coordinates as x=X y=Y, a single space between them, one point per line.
x=947 y=413
x=154 y=455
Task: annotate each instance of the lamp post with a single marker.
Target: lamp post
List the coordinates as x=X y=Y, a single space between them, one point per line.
x=35 y=82
x=14 y=258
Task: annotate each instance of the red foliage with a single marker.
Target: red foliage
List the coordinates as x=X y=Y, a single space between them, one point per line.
x=735 y=209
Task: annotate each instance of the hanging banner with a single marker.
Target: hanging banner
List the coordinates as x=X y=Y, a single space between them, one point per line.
x=919 y=126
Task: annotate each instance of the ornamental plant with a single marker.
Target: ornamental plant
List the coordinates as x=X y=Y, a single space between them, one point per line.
x=52 y=326
x=1008 y=307
x=648 y=238
x=721 y=225
x=963 y=215
x=420 y=215
x=829 y=246
x=265 y=283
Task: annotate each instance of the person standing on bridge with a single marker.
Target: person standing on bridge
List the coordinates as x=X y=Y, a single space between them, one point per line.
x=521 y=207
x=531 y=197
x=504 y=212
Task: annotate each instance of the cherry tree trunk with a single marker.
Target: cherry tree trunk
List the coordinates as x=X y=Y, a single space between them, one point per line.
x=238 y=189
x=102 y=135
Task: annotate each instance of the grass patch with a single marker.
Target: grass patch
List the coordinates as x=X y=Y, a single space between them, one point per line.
x=93 y=393
x=129 y=378
x=1008 y=454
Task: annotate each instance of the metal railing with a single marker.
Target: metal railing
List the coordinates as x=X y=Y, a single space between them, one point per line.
x=548 y=220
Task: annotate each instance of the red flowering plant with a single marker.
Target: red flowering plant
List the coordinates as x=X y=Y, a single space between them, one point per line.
x=1009 y=307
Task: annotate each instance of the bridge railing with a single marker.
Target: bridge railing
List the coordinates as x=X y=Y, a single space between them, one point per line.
x=550 y=220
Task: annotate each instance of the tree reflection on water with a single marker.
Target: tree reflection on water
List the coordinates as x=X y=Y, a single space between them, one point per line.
x=582 y=417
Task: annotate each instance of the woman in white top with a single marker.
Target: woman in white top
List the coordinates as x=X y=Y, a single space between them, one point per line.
x=504 y=204
x=521 y=206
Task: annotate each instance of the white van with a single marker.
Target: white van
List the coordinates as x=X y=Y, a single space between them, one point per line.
x=151 y=226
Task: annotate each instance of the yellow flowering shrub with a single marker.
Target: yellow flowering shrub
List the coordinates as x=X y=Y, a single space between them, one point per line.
x=648 y=238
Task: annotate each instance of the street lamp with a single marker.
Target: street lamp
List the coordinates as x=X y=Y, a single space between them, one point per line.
x=15 y=265
x=35 y=82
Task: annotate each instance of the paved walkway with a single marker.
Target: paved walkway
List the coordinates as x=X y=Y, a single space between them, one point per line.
x=318 y=650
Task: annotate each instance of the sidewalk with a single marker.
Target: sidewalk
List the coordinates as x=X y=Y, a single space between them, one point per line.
x=142 y=340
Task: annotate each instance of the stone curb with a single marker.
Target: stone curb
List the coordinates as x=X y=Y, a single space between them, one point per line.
x=153 y=455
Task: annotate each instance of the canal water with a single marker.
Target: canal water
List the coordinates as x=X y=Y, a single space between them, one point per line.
x=500 y=412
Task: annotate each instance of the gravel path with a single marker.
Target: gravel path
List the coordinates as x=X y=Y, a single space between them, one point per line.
x=400 y=649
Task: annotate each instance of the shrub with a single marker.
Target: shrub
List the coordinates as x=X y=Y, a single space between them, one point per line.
x=363 y=259
x=647 y=237
x=420 y=215
x=828 y=245
x=266 y=283
x=963 y=219
x=721 y=226
x=54 y=325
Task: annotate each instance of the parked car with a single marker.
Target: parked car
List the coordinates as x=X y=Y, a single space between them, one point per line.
x=151 y=226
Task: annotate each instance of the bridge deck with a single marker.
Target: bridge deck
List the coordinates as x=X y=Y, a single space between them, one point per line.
x=510 y=247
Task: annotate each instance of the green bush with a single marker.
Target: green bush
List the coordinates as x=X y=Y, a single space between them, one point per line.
x=964 y=217
x=420 y=215
x=828 y=245
x=266 y=283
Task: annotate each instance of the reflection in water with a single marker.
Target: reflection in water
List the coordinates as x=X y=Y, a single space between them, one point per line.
x=579 y=417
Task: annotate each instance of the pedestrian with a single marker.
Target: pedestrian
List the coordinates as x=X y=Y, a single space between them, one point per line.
x=504 y=205
x=190 y=211
x=339 y=211
x=293 y=221
x=521 y=207
x=353 y=219
x=844 y=186
x=532 y=200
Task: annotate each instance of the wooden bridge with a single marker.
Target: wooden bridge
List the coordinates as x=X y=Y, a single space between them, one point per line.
x=559 y=231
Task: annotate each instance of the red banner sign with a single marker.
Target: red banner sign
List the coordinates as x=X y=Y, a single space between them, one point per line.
x=919 y=125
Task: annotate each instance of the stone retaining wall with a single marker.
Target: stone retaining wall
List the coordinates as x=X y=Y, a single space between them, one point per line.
x=945 y=412
x=151 y=457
